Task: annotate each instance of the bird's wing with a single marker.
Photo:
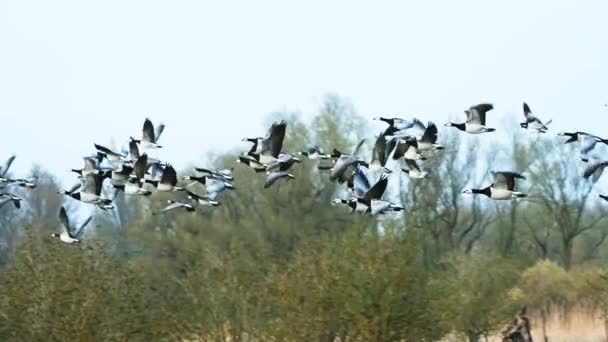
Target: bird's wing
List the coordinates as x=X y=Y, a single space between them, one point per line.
x=159 y=131
x=63 y=218
x=80 y=229
x=273 y=177
x=595 y=170
x=506 y=180
x=148 y=132
x=418 y=126
x=7 y=165
x=215 y=185
x=134 y=150
x=379 y=151
x=173 y=206
x=412 y=165
x=273 y=143
x=358 y=148
x=89 y=184
x=430 y=133
x=400 y=149
x=528 y=113
x=361 y=183
x=478 y=113
x=377 y=191
x=141 y=166
x=588 y=143
x=169 y=176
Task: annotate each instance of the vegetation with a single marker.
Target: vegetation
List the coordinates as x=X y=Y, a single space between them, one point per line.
x=284 y=265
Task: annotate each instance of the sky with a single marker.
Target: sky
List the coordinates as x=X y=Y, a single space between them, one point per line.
x=77 y=72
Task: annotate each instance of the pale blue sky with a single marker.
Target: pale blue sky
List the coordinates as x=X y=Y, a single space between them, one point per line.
x=75 y=72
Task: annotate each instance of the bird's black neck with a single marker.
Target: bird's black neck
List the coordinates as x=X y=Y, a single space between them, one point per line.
x=485 y=191
x=460 y=126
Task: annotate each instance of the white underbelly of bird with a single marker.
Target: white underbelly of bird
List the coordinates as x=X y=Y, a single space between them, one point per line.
x=475 y=129
x=502 y=194
x=89 y=198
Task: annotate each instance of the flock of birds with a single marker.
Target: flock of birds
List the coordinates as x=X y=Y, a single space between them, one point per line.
x=408 y=142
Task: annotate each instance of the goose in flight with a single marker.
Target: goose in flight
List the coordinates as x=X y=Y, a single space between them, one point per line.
x=167 y=182
x=428 y=140
x=396 y=126
x=204 y=201
x=314 y=152
x=68 y=234
x=413 y=170
x=381 y=152
x=90 y=191
x=476 y=120
x=272 y=144
x=150 y=136
x=273 y=176
x=408 y=149
x=6 y=198
x=587 y=142
x=533 y=123
x=364 y=193
x=112 y=156
x=225 y=174
x=503 y=187
x=174 y=205
x=7 y=165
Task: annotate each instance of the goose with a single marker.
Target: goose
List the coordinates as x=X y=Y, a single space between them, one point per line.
x=10 y=198
x=251 y=162
x=413 y=170
x=364 y=193
x=408 y=149
x=352 y=203
x=395 y=125
x=273 y=176
x=476 y=120
x=213 y=185
x=314 y=152
x=68 y=234
x=7 y=165
x=91 y=165
x=90 y=191
x=134 y=183
x=595 y=171
x=344 y=167
x=533 y=123
x=23 y=183
x=256 y=148
x=121 y=175
x=428 y=140
x=273 y=143
x=112 y=156
x=587 y=142
x=378 y=207
x=150 y=136
x=503 y=187
x=202 y=200
x=380 y=153
x=226 y=174
x=174 y=205
x=283 y=163
x=167 y=182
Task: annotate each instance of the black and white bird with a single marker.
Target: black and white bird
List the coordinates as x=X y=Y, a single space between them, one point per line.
x=252 y=162
x=396 y=126
x=407 y=148
x=256 y=147
x=533 y=123
x=413 y=169
x=175 y=205
x=283 y=163
x=344 y=168
x=595 y=171
x=476 y=120
x=428 y=140
x=167 y=182
x=364 y=193
x=68 y=234
x=272 y=144
x=381 y=153
x=314 y=152
x=5 y=168
x=273 y=176
x=204 y=201
x=503 y=187
x=213 y=185
x=90 y=191
x=111 y=155
x=150 y=136
x=6 y=198
x=225 y=174
x=587 y=142
x=23 y=183
x=91 y=165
